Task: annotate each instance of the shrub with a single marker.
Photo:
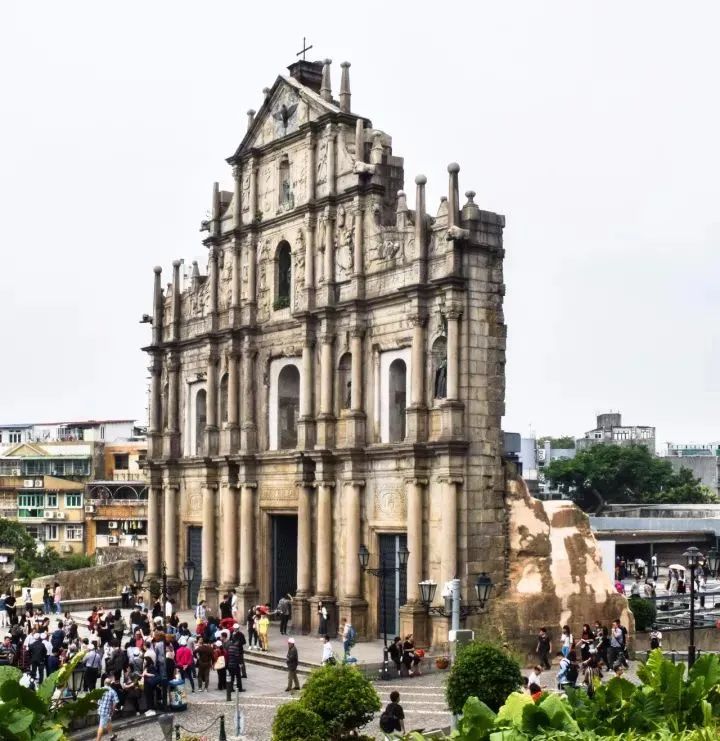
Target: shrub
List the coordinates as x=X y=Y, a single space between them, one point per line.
x=293 y=722
x=343 y=698
x=645 y=612
x=483 y=671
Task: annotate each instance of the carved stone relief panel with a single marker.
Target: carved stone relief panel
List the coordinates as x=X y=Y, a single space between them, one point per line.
x=225 y=286
x=390 y=502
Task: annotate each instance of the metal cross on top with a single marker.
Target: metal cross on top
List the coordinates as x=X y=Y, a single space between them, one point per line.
x=304 y=49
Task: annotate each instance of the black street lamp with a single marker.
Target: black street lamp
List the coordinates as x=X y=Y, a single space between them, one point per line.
x=693 y=557
x=483 y=587
x=138 y=571
x=76 y=680
x=164 y=587
x=189 y=574
x=381 y=573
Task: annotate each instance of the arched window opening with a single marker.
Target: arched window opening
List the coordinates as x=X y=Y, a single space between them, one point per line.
x=283 y=281
x=224 y=398
x=397 y=400
x=288 y=406
x=345 y=381
x=439 y=368
x=200 y=421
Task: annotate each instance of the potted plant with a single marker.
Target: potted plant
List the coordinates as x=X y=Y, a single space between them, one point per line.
x=442 y=662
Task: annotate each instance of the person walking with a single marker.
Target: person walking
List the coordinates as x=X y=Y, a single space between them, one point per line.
x=184 y=661
x=92 y=663
x=263 y=627
x=47 y=599
x=4 y=622
x=204 y=656
x=235 y=658
x=392 y=719
x=38 y=658
x=58 y=596
x=567 y=640
x=105 y=708
x=328 y=655
x=292 y=665
x=615 y=648
x=544 y=648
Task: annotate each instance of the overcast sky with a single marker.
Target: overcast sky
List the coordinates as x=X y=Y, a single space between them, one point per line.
x=592 y=126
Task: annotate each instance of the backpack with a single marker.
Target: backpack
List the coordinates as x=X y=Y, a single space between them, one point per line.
x=571 y=674
x=388 y=722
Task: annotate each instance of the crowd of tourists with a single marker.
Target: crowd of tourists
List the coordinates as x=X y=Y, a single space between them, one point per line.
x=598 y=649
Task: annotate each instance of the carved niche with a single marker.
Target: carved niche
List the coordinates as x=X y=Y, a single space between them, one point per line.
x=344 y=244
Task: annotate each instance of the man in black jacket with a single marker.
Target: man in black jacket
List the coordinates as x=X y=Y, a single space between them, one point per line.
x=235 y=660
x=292 y=665
x=38 y=658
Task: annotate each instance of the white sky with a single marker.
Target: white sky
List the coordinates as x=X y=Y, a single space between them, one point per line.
x=593 y=126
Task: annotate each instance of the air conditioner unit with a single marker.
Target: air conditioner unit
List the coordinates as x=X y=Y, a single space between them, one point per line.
x=28 y=484
x=49 y=514
x=113 y=525
x=38 y=483
x=89 y=509
x=113 y=540
x=15 y=472
x=60 y=515
x=67 y=548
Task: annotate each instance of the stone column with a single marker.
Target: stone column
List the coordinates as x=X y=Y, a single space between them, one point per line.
x=252 y=195
x=416 y=413
x=453 y=354
x=229 y=511
x=324 y=538
x=421 y=228
x=331 y=158
x=325 y=420
x=248 y=429
x=176 y=319
x=156 y=421
x=355 y=419
x=310 y=223
x=328 y=287
x=233 y=382
x=310 y=149
x=235 y=308
x=247 y=593
x=211 y=428
x=250 y=307
x=171 y=531
x=301 y=606
x=237 y=196
x=358 y=258
x=208 y=583
x=448 y=554
x=213 y=278
x=413 y=616
x=306 y=423
x=352 y=606
x=154 y=532
x=158 y=309
x=172 y=434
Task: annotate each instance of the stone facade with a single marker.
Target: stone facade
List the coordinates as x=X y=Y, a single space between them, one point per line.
x=335 y=378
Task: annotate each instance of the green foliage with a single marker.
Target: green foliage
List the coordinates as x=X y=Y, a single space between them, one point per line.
x=614 y=474
x=644 y=610
x=293 y=722
x=668 y=706
x=342 y=697
x=26 y=715
x=281 y=302
x=29 y=561
x=484 y=671
x=565 y=442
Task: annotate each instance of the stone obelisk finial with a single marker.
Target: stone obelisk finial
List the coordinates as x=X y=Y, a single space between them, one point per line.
x=345 y=88
x=250 y=117
x=325 y=88
x=453 y=194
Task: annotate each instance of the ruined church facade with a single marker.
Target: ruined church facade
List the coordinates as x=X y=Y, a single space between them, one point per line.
x=334 y=378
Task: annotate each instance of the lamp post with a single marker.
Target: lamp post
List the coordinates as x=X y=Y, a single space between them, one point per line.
x=483 y=587
x=189 y=575
x=381 y=573
x=138 y=571
x=693 y=557
x=164 y=586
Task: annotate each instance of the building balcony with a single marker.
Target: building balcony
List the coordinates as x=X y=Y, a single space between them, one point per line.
x=122 y=540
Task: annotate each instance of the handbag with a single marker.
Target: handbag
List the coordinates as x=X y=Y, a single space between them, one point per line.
x=219 y=663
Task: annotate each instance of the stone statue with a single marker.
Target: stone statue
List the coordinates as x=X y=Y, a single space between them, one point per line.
x=441 y=380
x=348 y=396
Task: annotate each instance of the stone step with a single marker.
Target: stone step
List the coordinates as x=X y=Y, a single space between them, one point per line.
x=276 y=661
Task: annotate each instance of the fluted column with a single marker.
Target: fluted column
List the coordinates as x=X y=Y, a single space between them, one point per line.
x=448 y=563
x=247 y=433
x=171 y=531
x=326 y=374
x=414 y=489
x=418 y=361
x=304 y=540
x=307 y=379
x=213 y=278
x=228 y=506
x=154 y=531
x=247 y=533
x=453 y=354
x=208 y=537
x=237 y=196
x=329 y=267
x=233 y=382
x=324 y=538
x=331 y=159
x=356 y=387
x=252 y=195
x=352 y=492
x=173 y=393
x=453 y=195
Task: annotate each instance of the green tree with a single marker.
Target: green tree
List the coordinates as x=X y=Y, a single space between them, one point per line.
x=614 y=474
x=342 y=697
x=644 y=611
x=564 y=442
x=293 y=722
x=484 y=671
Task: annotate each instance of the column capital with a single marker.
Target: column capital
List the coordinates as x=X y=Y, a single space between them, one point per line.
x=451 y=480
x=358 y=331
x=211 y=486
x=212 y=252
x=310 y=220
x=330 y=484
x=326 y=338
x=171 y=486
x=417 y=481
x=173 y=361
x=248 y=484
x=237 y=170
x=354 y=482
